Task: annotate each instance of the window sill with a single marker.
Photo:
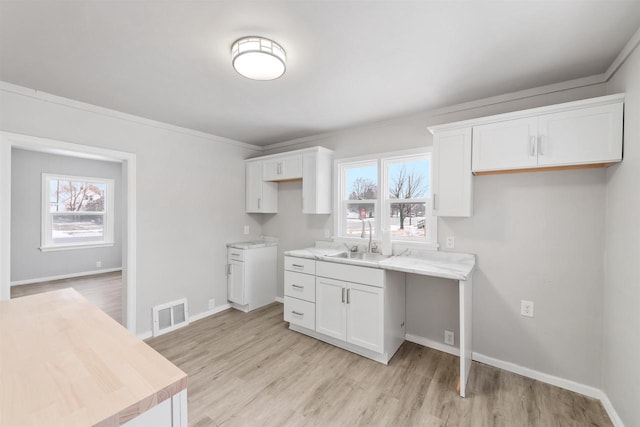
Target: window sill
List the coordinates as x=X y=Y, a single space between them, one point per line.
x=72 y=247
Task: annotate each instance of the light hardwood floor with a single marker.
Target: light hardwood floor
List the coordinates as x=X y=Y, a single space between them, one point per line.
x=103 y=290
x=250 y=370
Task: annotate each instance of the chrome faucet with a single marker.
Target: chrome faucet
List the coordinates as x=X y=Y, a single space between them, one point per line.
x=370 y=235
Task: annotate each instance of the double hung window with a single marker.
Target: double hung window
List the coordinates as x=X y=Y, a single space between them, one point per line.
x=390 y=191
x=76 y=212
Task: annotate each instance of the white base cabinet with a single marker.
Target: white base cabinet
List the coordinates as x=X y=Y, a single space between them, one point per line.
x=251 y=277
x=367 y=318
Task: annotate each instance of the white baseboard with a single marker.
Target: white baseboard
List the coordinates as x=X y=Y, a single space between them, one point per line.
x=611 y=411
x=280 y=300
x=148 y=334
x=65 y=276
x=540 y=376
x=586 y=390
x=208 y=313
x=432 y=344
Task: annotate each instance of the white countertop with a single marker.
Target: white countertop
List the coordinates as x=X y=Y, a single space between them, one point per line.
x=449 y=265
x=254 y=244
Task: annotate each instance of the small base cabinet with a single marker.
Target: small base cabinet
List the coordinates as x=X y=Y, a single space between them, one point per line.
x=251 y=277
x=360 y=309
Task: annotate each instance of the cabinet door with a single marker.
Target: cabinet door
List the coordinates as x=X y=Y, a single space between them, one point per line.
x=331 y=308
x=587 y=135
x=452 y=177
x=282 y=168
x=254 y=187
x=261 y=197
x=365 y=316
x=316 y=183
x=235 y=282
x=510 y=144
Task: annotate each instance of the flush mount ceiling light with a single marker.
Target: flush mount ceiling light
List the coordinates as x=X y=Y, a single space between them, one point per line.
x=258 y=58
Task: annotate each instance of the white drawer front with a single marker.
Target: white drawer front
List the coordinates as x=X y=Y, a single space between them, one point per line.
x=299 y=285
x=300 y=265
x=234 y=254
x=351 y=273
x=299 y=312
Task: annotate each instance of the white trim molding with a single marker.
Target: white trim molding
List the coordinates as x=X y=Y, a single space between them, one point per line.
x=280 y=300
x=566 y=384
x=224 y=307
x=54 y=99
x=540 y=376
x=427 y=342
x=215 y=310
x=65 y=276
x=9 y=140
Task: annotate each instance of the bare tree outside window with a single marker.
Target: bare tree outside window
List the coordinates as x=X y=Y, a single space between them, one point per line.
x=407 y=185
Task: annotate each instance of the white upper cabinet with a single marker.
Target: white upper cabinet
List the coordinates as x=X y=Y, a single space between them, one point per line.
x=505 y=145
x=261 y=196
x=312 y=166
x=452 y=193
x=282 y=169
x=587 y=135
x=582 y=133
x=316 y=181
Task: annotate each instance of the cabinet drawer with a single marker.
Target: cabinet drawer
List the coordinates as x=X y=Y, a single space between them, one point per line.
x=299 y=312
x=300 y=265
x=351 y=273
x=299 y=285
x=234 y=254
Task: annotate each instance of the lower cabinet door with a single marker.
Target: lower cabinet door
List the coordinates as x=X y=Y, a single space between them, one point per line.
x=365 y=316
x=235 y=283
x=331 y=308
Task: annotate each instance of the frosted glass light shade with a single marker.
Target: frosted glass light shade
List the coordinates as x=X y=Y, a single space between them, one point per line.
x=258 y=58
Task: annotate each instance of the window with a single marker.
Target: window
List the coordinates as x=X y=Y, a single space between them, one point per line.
x=76 y=212
x=403 y=204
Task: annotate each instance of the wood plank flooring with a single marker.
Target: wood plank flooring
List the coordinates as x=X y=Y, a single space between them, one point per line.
x=250 y=370
x=103 y=290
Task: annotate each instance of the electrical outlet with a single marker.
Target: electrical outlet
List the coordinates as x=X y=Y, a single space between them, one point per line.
x=526 y=308
x=212 y=303
x=98 y=264
x=449 y=338
x=327 y=233
x=451 y=242
x=246 y=230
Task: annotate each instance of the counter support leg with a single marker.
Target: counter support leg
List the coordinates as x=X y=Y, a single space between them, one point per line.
x=465 y=291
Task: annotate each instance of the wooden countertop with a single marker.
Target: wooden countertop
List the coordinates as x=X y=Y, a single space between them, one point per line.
x=64 y=362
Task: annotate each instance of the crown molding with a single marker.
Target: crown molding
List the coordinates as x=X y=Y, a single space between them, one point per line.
x=67 y=102
x=626 y=51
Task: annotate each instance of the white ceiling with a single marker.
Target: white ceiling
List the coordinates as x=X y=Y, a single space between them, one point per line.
x=349 y=62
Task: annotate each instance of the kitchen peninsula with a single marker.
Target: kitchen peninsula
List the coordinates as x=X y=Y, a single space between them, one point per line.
x=64 y=362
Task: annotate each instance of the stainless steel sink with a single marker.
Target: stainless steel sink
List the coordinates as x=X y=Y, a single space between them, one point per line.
x=361 y=256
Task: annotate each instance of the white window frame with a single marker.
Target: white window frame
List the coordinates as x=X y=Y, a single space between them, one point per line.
x=383 y=202
x=46 y=241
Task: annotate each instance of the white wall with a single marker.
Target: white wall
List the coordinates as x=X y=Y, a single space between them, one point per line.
x=621 y=344
x=538 y=236
x=190 y=198
x=27 y=261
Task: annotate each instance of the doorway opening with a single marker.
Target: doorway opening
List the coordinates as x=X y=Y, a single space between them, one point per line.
x=113 y=290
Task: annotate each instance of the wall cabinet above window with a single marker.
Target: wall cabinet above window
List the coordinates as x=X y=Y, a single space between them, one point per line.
x=312 y=166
